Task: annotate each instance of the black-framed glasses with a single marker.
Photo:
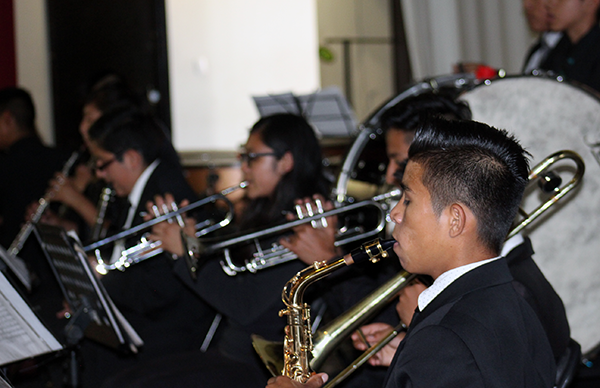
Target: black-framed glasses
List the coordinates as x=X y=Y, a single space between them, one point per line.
x=249 y=157
x=103 y=166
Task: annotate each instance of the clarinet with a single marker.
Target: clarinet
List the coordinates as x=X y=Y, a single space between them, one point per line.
x=19 y=241
x=99 y=231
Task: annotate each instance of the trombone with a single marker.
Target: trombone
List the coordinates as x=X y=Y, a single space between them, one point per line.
x=277 y=254
x=147 y=248
x=320 y=344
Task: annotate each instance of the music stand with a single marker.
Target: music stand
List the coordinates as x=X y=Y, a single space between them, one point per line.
x=22 y=334
x=327 y=110
x=94 y=315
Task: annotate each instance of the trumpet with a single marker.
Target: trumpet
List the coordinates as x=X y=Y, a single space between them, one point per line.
x=306 y=351
x=277 y=254
x=147 y=248
x=44 y=202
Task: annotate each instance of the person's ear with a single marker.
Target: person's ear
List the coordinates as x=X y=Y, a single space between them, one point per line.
x=133 y=159
x=286 y=163
x=457 y=220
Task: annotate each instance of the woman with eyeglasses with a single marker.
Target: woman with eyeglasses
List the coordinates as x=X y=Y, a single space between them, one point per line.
x=282 y=165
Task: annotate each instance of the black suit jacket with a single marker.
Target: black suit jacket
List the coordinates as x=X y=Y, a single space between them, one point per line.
x=477 y=333
x=578 y=62
x=165 y=313
x=530 y=283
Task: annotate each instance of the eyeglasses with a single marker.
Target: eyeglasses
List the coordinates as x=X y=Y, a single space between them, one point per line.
x=103 y=166
x=249 y=157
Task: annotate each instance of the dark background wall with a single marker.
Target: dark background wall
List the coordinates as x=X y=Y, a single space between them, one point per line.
x=88 y=39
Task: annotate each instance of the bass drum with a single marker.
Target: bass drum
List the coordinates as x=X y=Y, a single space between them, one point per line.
x=363 y=172
x=547 y=115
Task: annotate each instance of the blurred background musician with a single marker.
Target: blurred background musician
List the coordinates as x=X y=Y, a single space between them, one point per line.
x=576 y=56
x=538 y=19
x=82 y=191
x=281 y=162
x=167 y=315
x=27 y=164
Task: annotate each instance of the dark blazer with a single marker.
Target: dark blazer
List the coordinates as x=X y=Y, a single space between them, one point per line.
x=530 y=283
x=167 y=315
x=477 y=333
x=163 y=311
x=577 y=62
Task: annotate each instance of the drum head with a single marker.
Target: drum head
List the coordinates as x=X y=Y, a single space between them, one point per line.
x=547 y=116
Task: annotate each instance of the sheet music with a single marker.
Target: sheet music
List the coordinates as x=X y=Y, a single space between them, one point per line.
x=17 y=266
x=108 y=304
x=82 y=289
x=22 y=335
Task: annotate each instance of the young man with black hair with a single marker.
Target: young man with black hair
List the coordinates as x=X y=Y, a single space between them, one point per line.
x=167 y=315
x=400 y=124
x=462 y=186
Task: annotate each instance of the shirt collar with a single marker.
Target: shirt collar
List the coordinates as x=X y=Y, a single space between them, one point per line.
x=139 y=186
x=445 y=279
x=511 y=244
x=551 y=38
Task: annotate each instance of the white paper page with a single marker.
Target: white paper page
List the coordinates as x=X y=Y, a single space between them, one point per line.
x=22 y=335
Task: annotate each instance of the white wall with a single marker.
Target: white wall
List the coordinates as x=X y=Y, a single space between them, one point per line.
x=33 y=63
x=222 y=52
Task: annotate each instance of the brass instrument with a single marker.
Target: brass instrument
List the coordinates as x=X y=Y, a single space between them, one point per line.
x=19 y=241
x=550 y=183
x=298 y=340
x=146 y=248
x=277 y=254
x=306 y=351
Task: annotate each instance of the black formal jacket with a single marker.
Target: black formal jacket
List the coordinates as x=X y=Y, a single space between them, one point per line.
x=578 y=62
x=165 y=313
x=25 y=169
x=478 y=332
x=530 y=283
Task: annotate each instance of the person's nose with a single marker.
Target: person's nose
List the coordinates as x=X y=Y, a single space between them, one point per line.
x=397 y=212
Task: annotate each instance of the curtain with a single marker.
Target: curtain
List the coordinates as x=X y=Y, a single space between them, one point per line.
x=441 y=33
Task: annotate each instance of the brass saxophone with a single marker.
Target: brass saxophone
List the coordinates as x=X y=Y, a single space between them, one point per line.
x=298 y=345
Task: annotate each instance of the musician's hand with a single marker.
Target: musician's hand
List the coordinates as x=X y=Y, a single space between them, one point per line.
x=167 y=232
x=61 y=189
x=315 y=381
x=82 y=177
x=309 y=243
x=408 y=301
x=374 y=333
